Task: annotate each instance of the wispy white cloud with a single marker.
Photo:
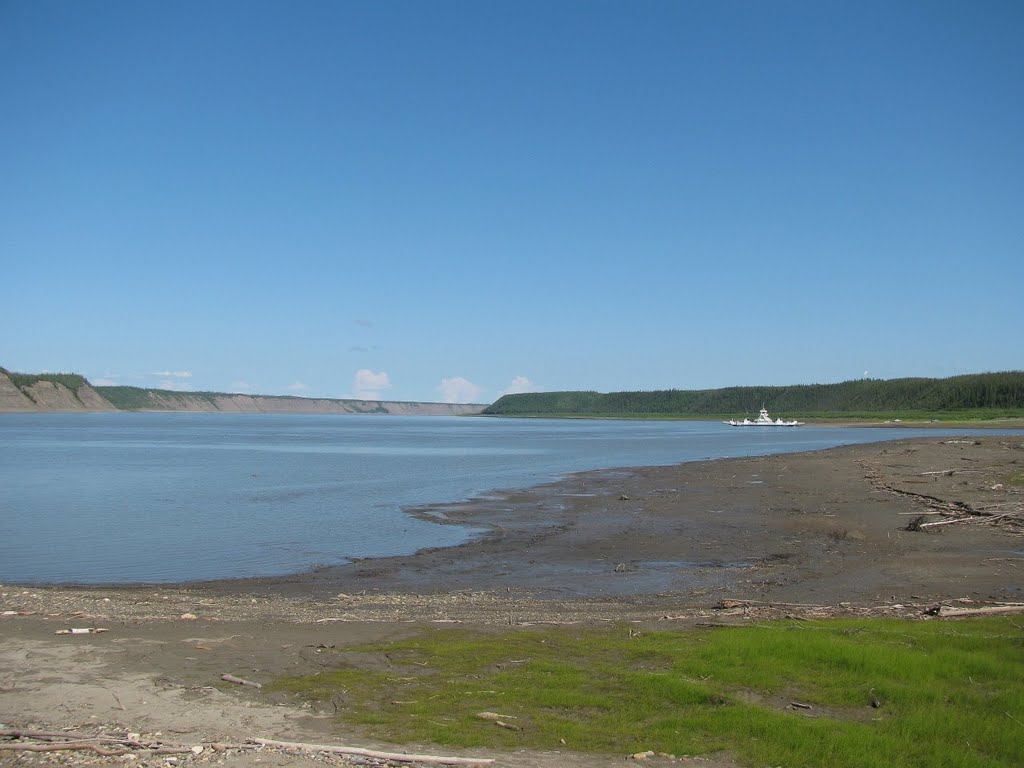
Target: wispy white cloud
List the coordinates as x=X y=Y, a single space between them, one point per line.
x=242 y=387
x=365 y=323
x=104 y=381
x=176 y=385
x=519 y=385
x=172 y=374
x=176 y=381
x=367 y=385
x=458 y=390
x=297 y=388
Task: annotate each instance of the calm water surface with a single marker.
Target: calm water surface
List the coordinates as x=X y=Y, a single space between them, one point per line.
x=129 y=497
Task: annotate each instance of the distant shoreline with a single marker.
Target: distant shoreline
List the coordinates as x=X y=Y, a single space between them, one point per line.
x=997 y=423
x=70 y=393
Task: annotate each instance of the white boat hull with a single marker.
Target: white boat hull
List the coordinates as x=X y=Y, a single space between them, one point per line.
x=763 y=420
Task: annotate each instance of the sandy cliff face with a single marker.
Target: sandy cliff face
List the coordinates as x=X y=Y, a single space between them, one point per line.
x=49 y=396
x=257 y=404
x=434 y=409
x=163 y=401
x=12 y=398
x=92 y=400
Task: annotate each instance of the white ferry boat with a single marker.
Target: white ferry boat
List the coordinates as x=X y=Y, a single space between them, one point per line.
x=762 y=420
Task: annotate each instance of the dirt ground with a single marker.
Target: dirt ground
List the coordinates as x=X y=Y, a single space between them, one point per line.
x=726 y=541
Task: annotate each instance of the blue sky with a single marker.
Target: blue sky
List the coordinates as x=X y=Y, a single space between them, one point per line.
x=451 y=200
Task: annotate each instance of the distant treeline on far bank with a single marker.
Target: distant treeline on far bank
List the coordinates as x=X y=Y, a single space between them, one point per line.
x=973 y=396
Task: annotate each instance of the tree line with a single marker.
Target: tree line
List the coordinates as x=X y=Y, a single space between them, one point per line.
x=995 y=393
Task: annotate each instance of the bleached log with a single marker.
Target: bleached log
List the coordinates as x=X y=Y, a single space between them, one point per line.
x=396 y=756
x=987 y=610
x=232 y=679
x=19 y=733
x=65 y=745
x=976 y=519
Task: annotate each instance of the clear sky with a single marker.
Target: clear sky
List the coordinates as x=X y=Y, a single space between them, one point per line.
x=448 y=200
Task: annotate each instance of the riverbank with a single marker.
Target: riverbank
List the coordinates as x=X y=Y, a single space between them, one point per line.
x=734 y=540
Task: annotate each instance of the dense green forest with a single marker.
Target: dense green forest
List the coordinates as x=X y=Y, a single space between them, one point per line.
x=986 y=395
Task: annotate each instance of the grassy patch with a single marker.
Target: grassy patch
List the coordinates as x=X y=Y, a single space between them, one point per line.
x=950 y=694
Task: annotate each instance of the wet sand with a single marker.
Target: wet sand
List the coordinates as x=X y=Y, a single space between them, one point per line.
x=819 y=533
x=823 y=526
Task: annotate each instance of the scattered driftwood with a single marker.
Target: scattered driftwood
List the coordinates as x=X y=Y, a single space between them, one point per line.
x=975 y=519
x=107 y=746
x=115 y=746
x=958 y=511
x=60 y=746
x=232 y=679
x=65 y=745
x=727 y=603
x=395 y=756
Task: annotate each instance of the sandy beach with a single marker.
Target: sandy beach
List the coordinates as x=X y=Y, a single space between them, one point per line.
x=728 y=541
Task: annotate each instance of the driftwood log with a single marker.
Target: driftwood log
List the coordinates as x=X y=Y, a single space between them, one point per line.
x=943 y=612
x=975 y=519
x=232 y=679
x=395 y=756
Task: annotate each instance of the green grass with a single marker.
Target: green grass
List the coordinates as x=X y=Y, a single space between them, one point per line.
x=951 y=694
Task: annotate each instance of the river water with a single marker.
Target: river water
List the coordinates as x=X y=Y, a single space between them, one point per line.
x=173 y=497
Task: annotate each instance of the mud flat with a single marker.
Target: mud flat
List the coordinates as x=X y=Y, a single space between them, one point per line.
x=812 y=534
